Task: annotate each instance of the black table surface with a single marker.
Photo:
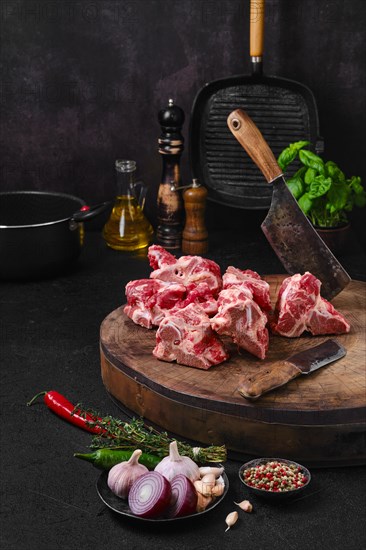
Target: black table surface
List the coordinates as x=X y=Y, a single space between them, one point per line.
x=50 y=340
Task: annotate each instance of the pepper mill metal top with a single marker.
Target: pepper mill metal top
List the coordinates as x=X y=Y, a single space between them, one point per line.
x=171 y=119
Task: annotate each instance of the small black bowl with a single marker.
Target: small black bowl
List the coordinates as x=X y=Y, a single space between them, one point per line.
x=274 y=495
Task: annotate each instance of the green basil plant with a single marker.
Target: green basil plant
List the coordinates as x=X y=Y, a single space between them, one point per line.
x=321 y=189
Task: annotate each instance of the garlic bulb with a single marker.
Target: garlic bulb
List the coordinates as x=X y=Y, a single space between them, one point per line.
x=122 y=475
x=175 y=464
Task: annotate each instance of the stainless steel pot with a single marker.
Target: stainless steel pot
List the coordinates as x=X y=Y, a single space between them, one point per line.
x=41 y=233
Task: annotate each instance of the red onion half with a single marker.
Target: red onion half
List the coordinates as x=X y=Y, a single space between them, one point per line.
x=184 y=497
x=150 y=495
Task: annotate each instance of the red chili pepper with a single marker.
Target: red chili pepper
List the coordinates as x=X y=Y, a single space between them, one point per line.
x=62 y=407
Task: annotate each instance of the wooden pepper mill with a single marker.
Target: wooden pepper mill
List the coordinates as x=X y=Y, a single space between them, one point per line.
x=195 y=235
x=170 y=202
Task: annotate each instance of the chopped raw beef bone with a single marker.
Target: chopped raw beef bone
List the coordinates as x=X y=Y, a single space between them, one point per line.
x=300 y=307
x=324 y=319
x=148 y=299
x=159 y=257
x=186 y=336
x=187 y=270
x=253 y=281
x=202 y=295
x=242 y=319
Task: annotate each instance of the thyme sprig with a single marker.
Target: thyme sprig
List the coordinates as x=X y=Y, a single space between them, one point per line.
x=118 y=433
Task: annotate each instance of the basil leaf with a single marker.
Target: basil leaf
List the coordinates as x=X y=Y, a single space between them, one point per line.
x=338 y=197
x=311 y=160
x=358 y=194
x=296 y=186
x=289 y=154
x=319 y=186
x=305 y=203
x=300 y=173
x=334 y=172
x=310 y=175
x=355 y=184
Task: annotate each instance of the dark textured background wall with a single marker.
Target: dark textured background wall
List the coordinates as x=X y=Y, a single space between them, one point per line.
x=83 y=80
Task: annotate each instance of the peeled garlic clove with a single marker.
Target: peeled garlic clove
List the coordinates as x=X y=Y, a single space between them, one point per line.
x=218 y=490
x=231 y=519
x=245 y=505
x=203 y=502
x=211 y=470
x=204 y=488
x=209 y=478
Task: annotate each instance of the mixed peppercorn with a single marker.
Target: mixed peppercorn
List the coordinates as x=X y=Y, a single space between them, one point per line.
x=275 y=476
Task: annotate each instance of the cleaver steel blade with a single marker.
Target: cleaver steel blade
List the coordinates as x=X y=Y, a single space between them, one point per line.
x=281 y=372
x=289 y=232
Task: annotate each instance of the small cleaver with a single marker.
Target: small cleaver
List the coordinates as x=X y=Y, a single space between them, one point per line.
x=288 y=231
x=281 y=372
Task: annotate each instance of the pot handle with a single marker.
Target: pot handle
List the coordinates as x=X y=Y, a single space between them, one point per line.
x=86 y=213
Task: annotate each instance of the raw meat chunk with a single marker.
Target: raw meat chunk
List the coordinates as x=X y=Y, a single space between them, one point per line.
x=148 y=299
x=159 y=257
x=187 y=270
x=200 y=294
x=242 y=319
x=251 y=280
x=300 y=308
x=325 y=319
x=186 y=336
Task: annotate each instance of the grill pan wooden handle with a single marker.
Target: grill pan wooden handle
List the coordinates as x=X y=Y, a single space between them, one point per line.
x=249 y=137
x=256 y=27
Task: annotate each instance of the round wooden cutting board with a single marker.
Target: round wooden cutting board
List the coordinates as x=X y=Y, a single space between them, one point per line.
x=318 y=419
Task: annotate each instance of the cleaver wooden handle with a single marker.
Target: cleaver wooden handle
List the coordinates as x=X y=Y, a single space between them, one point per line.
x=249 y=137
x=266 y=380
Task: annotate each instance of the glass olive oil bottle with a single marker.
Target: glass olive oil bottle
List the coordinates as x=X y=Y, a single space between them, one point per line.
x=128 y=228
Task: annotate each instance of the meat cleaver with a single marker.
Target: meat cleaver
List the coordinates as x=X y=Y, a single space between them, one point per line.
x=281 y=372
x=289 y=232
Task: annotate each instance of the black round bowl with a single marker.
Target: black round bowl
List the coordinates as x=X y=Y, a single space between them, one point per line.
x=120 y=505
x=273 y=495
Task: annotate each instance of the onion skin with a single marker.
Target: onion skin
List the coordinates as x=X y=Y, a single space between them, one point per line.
x=160 y=494
x=184 y=497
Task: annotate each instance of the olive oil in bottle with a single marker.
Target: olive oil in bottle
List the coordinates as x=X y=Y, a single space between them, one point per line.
x=128 y=228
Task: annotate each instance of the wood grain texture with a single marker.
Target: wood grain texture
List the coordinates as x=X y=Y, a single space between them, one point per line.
x=263 y=381
x=251 y=139
x=256 y=27
x=318 y=417
x=195 y=235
